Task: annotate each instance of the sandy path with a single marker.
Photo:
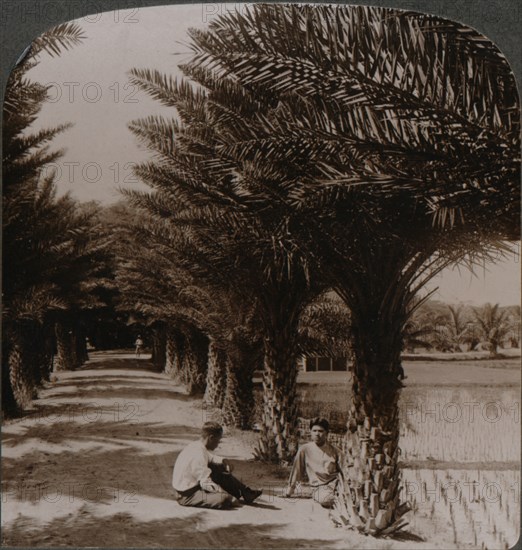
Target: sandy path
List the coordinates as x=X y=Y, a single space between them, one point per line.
x=91 y=463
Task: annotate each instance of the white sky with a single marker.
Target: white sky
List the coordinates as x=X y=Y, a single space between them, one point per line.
x=91 y=90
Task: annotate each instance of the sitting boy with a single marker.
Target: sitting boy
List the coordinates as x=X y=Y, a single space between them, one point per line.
x=205 y=480
x=319 y=461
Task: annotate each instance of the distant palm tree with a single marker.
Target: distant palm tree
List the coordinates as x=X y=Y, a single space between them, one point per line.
x=514 y=320
x=452 y=330
x=493 y=325
x=324 y=327
x=154 y=288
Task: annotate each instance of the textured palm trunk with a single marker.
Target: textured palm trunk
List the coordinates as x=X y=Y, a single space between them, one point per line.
x=173 y=353
x=194 y=372
x=22 y=367
x=64 y=359
x=369 y=496
x=75 y=358
x=216 y=376
x=44 y=352
x=278 y=438
x=9 y=405
x=493 y=348
x=81 y=345
x=239 y=404
x=159 y=347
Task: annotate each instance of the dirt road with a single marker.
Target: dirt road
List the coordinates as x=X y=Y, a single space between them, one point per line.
x=91 y=465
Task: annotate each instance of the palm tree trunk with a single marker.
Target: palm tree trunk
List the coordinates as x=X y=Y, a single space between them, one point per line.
x=238 y=402
x=216 y=376
x=21 y=363
x=44 y=351
x=9 y=406
x=278 y=438
x=194 y=370
x=493 y=348
x=159 y=346
x=64 y=356
x=369 y=499
x=75 y=358
x=173 y=352
x=81 y=345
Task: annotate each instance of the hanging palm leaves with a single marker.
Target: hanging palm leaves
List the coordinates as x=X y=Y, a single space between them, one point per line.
x=397 y=135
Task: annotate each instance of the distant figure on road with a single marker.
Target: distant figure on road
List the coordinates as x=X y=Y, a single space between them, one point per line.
x=139 y=345
x=319 y=462
x=205 y=480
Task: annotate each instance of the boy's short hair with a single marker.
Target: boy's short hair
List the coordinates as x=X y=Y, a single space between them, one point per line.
x=211 y=428
x=319 y=421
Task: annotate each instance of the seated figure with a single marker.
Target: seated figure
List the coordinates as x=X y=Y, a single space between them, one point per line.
x=318 y=461
x=205 y=480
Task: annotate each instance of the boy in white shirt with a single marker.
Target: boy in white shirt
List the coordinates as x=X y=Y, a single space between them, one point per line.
x=205 y=480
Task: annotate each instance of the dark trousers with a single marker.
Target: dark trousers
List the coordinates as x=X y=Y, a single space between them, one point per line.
x=230 y=485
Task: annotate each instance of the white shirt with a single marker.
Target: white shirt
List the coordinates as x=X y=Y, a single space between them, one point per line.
x=192 y=468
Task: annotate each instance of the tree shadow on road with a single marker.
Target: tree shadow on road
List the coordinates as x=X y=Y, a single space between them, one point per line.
x=110 y=378
x=124 y=392
x=122 y=530
x=117 y=363
x=130 y=457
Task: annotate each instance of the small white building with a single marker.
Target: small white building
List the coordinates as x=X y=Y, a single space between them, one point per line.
x=323 y=364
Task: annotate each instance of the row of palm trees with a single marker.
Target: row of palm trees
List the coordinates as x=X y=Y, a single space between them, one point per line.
x=452 y=328
x=53 y=252
x=205 y=333
x=313 y=148
x=310 y=149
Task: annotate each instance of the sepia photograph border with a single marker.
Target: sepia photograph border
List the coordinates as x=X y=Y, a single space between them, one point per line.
x=23 y=20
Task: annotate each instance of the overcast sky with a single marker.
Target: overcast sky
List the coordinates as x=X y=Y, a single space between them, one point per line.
x=90 y=88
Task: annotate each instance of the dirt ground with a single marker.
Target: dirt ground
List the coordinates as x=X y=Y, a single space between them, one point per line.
x=91 y=464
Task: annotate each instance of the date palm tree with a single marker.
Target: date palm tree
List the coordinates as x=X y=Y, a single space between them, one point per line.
x=421 y=328
x=397 y=136
x=208 y=194
x=50 y=252
x=514 y=321
x=453 y=329
x=163 y=276
x=493 y=325
x=152 y=288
